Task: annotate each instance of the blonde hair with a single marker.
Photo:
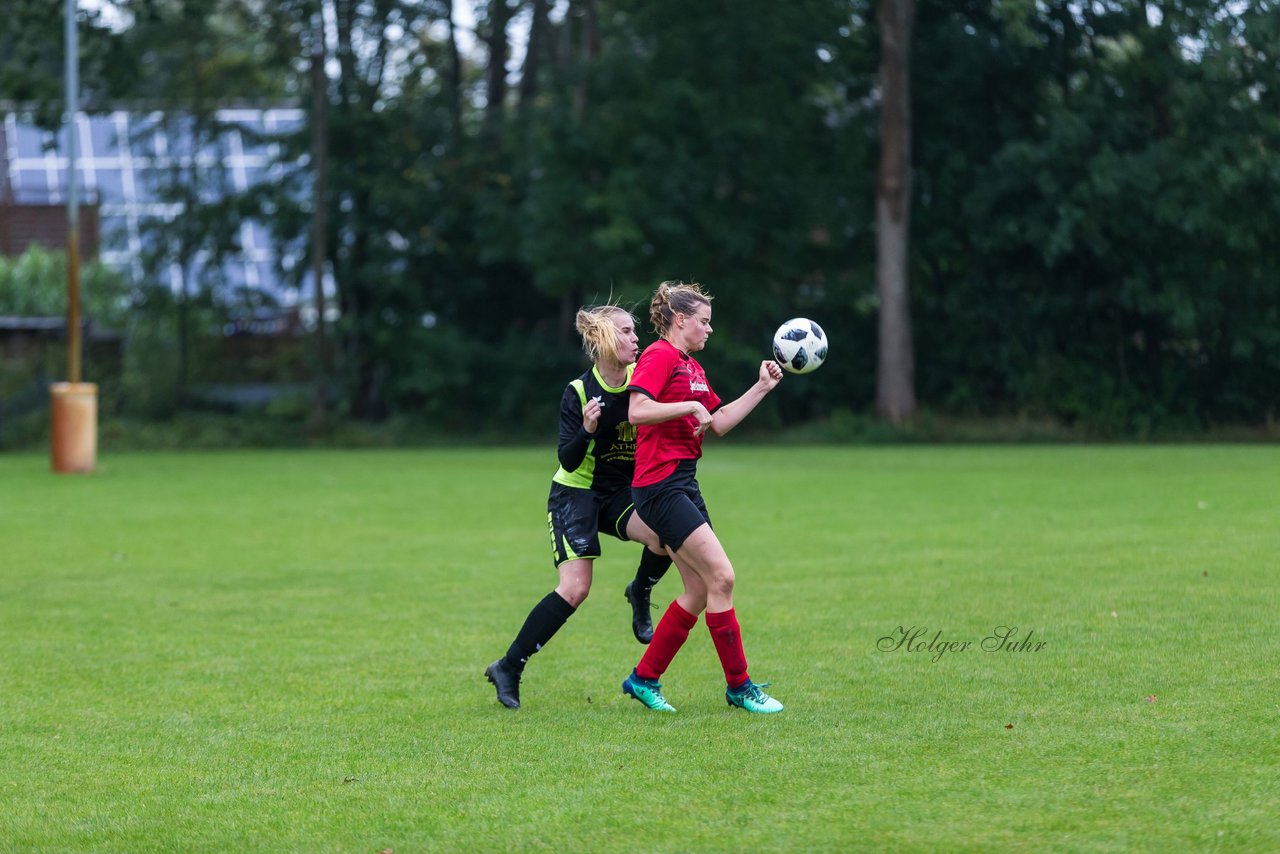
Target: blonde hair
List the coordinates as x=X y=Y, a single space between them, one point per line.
x=674 y=298
x=599 y=335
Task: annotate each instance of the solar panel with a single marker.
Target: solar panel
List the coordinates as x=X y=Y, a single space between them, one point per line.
x=125 y=162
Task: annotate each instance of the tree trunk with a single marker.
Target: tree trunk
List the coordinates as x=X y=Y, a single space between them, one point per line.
x=319 y=222
x=895 y=380
x=353 y=358
x=496 y=39
x=589 y=51
x=455 y=80
x=534 y=51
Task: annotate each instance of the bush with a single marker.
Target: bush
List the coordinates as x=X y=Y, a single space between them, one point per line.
x=35 y=285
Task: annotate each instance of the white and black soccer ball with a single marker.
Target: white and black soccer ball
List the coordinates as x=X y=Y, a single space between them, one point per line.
x=800 y=346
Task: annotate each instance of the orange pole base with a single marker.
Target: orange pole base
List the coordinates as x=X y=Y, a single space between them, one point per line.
x=74 y=407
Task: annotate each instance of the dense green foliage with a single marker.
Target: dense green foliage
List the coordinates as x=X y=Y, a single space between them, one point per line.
x=1095 y=193
x=283 y=652
x=1097 y=235
x=35 y=285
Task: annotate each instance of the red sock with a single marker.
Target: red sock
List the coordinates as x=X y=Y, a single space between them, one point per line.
x=727 y=637
x=668 y=637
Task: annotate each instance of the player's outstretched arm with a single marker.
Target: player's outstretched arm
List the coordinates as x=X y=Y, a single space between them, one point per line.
x=730 y=415
x=645 y=410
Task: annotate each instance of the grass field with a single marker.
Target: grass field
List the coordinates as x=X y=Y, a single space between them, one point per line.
x=283 y=652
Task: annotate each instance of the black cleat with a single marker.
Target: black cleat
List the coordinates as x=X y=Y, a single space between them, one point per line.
x=507 y=683
x=641 y=621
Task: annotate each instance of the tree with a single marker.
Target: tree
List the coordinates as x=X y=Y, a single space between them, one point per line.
x=1073 y=206
x=193 y=56
x=537 y=50
x=895 y=378
x=1092 y=179
x=497 y=18
x=32 y=48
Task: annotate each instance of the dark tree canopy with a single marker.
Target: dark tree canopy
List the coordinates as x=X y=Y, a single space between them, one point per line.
x=1093 y=189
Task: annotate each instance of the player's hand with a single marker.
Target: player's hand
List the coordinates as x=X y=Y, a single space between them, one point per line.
x=591 y=415
x=770 y=374
x=704 y=418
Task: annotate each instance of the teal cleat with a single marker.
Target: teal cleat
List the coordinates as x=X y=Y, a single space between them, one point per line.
x=647 y=692
x=751 y=698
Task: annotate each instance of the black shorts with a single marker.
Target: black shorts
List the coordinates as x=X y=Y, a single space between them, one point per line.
x=576 y=516
x=673 y=507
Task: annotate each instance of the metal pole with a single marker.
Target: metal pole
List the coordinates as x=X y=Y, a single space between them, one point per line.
x=73 y=196
x=73 y=404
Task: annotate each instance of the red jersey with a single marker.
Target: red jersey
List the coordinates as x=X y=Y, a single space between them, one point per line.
x=667 y=375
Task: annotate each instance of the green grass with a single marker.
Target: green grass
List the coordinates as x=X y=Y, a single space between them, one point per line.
x=282 y=651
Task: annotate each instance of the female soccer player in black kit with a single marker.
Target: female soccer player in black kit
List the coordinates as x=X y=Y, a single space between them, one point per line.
x=590 y=493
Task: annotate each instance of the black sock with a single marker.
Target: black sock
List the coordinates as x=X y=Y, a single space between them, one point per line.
x=543 y=622
x=652 y=568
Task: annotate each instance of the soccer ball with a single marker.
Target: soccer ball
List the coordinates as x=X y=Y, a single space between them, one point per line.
x=800 y=346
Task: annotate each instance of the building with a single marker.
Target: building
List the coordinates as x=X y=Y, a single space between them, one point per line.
x=126 y=160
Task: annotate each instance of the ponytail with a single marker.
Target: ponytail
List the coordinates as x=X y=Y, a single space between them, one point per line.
x=674 y=298
x=599 y=335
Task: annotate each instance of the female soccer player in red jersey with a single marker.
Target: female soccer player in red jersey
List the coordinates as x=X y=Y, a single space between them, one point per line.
x=673 y=405
x=590 y=494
